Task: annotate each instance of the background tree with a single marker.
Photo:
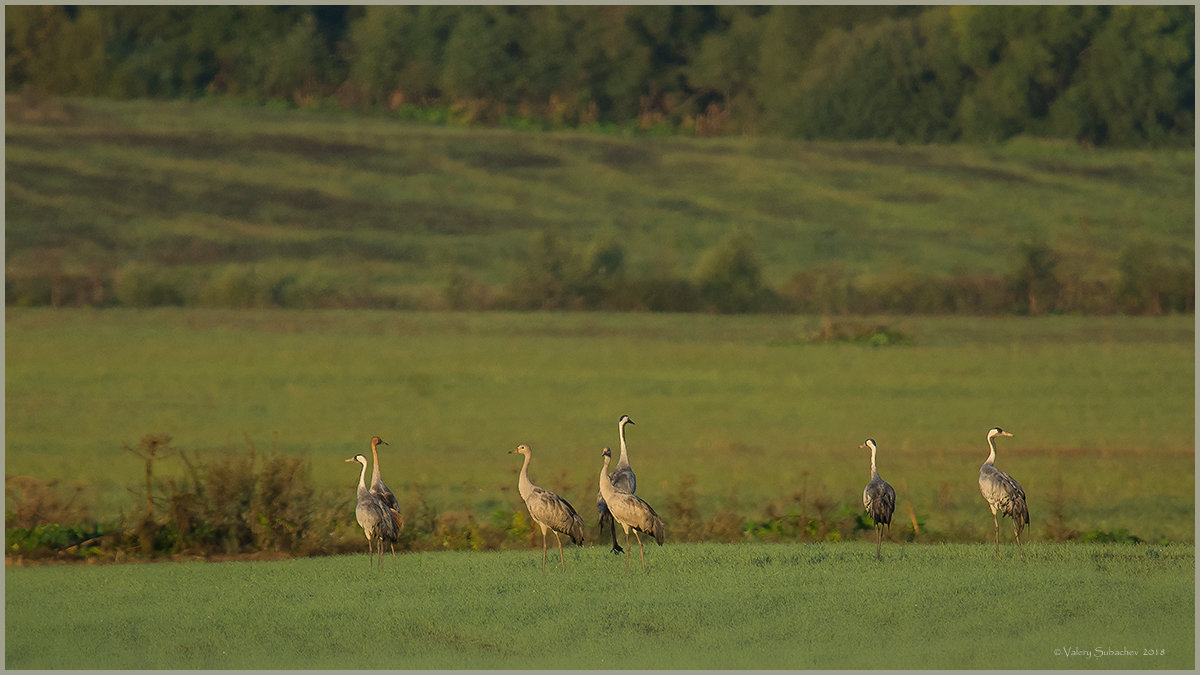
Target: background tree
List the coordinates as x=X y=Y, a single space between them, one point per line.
x=1035 y=279
x=1136 y=80
x=1119 y=75
x=729 y=275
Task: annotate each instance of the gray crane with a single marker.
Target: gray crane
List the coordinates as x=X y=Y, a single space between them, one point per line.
x=548 y=510
x=879 y=499
x=623 y=480
x=380 y=490
x=631 y=511
x=1003 y=494
x=373 y=516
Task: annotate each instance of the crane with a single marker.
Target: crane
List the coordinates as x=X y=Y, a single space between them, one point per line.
x=879 y=499
x=631 y=511
x=548 y=510
x=372 y=515
x=380 y=490
x=1003 y=494
x=623 y=480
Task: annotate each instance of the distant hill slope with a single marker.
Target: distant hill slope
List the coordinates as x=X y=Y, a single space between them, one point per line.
x=148 y=203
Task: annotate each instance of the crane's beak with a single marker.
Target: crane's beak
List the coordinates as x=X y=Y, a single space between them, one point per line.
x=383 y=442
x=1005 y=433
x=352 y=460
x=863 y=445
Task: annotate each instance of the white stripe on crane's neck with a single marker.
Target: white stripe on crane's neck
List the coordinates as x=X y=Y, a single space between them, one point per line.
x=992 y=455
x=362 y=477
x=874 y=471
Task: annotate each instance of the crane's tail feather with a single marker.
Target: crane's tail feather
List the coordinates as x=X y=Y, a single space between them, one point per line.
x=658 y=531
x=398 y=519
x=1020 y=515
x=576 y=532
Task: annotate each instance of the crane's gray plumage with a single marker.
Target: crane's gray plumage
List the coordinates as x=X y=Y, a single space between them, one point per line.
x=1003 y=494
x=623 y=480
x=631 y=511
x=373 y=515
x=380 y=490
x=548 y=510
x=879 y=499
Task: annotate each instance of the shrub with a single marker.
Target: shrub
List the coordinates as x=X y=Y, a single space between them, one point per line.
x=144 y=285
x=729 y=275
x=1156 y=279
x=859 y=332
x=31 y=502
x=53 y=539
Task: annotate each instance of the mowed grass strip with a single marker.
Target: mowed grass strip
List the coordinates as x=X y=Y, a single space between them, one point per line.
x=746 y=606
x=1102 y=408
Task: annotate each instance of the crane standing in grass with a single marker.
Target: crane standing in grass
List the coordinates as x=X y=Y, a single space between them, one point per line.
x=548 y=510
x=623 y=480
x=631 y=512
x=380 y=490
x=373 y=516
x=879 y=499
x=1003 y=494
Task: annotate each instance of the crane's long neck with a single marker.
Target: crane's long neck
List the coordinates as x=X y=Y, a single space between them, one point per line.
x=524 y=484
x=624 y=452
x=874 y=471
x=375 y=478
x=606 y=486
x=362 y=478
x=992 y=455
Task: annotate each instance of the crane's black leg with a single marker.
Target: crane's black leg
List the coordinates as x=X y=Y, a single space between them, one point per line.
x=997 y=523
x=1018 y=537
x=560 y=553
x=640 y=551
x=878 y=542
x=612 y=524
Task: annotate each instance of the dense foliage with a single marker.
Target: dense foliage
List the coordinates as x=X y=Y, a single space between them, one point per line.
x=1097 y=74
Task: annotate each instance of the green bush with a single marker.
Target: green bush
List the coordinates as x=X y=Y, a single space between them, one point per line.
x=729 y=275
x=145 y=285
x=53 y=539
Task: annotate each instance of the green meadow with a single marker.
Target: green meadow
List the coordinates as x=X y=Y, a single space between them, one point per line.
x=698 y=606
x=208 y=203
x=733 y=415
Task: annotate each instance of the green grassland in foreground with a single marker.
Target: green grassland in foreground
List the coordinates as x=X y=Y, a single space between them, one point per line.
x=758 y=418
x=699 y=606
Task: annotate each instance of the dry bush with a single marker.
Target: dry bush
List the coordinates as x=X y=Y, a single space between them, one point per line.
x=30 y=502
x=33 y=107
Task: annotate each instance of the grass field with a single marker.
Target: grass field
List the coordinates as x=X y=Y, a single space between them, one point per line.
x=764 y=424
x=699 y=606
x=337 y=200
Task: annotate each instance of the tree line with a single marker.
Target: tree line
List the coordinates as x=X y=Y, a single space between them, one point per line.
x=1100 y=75
x=1149 y=279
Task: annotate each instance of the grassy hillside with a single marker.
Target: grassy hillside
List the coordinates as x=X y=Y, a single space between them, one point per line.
x=736 y=417
x=699 y=606
x=216 y=204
